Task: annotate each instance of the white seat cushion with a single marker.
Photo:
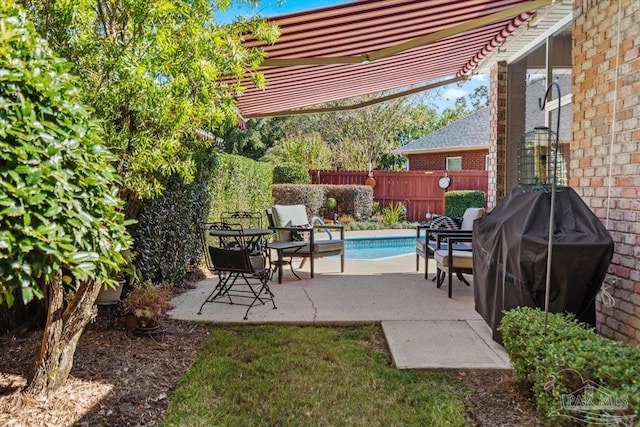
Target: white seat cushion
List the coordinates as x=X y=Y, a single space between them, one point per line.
x=470 y=215
x=289 y=215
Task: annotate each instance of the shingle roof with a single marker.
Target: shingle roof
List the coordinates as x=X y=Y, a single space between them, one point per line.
x=472 y=131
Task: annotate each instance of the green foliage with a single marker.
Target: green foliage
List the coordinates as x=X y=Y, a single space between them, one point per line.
x=394 y=213
x=253 y=142
x=457 y=201
x=167 y=240
x=564 y=358
x=290 y=173
x=58 y=206
x=353 y=200
x=309 y=376
x=239 y=184
x=151 y=70
x=308 y=150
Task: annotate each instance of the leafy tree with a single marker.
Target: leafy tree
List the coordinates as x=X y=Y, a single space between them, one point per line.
x=361 y=135
x=479 y=97
x=254 y=141
x=308 y=150
x=155 y=71
x=62 y=235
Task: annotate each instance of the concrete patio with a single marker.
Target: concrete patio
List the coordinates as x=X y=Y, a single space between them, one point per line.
x=424 y=329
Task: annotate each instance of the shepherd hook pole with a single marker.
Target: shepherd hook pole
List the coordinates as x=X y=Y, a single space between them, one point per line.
x=547 y=290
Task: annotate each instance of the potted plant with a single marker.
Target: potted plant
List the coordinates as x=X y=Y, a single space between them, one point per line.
x=330 y=215
x=148 y=303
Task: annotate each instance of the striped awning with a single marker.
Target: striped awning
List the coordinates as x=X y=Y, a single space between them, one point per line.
x=370 y=46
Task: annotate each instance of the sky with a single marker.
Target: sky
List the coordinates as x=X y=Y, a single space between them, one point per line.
x=446 y=95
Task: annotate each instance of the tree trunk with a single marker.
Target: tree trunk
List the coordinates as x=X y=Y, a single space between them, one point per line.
x=61 y=334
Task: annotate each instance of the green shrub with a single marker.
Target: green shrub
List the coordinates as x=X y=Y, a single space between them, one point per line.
x=290 y=173
x=457 y=201
x=240 y=184
x=568 y=355
x=60 y=218
x=311 y=196
x=167 y=235
x=167 y=240
x=354 y=200
x=393 y=213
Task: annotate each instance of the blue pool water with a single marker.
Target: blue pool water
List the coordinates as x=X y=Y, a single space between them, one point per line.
x=370 y=248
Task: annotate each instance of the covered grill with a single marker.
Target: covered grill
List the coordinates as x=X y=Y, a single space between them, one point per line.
x=510 y=256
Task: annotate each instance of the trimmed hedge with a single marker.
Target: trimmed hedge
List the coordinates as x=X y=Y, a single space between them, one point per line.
x=167 y=239
x=240 y=184
x=571 y=363
x=291 y=173
x=354 y=200
x=457 y=201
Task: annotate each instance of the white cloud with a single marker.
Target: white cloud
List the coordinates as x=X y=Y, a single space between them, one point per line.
x=479 y=77
x=454 y=93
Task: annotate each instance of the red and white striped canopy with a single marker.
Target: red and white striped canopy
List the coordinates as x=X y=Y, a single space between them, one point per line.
x=369 y=46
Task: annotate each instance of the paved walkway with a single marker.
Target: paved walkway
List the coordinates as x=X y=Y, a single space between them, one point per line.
x=424 y=329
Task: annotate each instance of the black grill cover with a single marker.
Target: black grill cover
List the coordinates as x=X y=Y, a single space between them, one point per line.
x=510 y=256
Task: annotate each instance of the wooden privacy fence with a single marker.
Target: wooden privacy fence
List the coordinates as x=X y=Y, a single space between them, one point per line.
x=418 y=190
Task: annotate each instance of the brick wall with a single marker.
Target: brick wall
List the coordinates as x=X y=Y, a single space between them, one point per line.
x=605 y=169
x=497 y=133
x=471 y=160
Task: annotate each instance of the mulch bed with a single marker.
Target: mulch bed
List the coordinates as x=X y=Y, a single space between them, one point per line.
x=122 y=379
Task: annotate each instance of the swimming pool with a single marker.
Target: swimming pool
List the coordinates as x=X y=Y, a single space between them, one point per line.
x=371 y=248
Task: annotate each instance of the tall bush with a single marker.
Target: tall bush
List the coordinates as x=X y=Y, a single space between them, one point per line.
x=291 y=173
x=167 y=239
x=62 y=235
x=240 y=184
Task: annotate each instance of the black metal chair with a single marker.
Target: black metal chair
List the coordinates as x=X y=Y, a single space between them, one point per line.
x=241 y=265
x=245 y=218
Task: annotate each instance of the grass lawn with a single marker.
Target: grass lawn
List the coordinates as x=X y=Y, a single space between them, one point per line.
x=309 y=376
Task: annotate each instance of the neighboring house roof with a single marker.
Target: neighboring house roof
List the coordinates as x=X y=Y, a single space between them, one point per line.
x=469 y=133
x=472 y=132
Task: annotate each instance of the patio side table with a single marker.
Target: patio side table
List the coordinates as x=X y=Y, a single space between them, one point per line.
x=280 y=247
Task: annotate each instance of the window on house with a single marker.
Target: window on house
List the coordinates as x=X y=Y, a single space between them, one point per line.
x=454 y=163
x=486 y=162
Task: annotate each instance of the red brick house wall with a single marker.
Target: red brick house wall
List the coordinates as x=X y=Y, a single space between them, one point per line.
x=471 y=160
x=605 y=168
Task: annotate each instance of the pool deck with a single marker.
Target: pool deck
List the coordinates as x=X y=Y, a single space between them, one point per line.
x=424 y=329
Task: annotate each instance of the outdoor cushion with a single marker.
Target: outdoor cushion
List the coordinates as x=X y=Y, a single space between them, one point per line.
x=461 y=259
x=470 y=215
x=441 y=222
x=289 y=216
x=319 y=247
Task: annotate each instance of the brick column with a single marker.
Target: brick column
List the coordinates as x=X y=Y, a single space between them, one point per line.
x=605 y=168
x=497 y=133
